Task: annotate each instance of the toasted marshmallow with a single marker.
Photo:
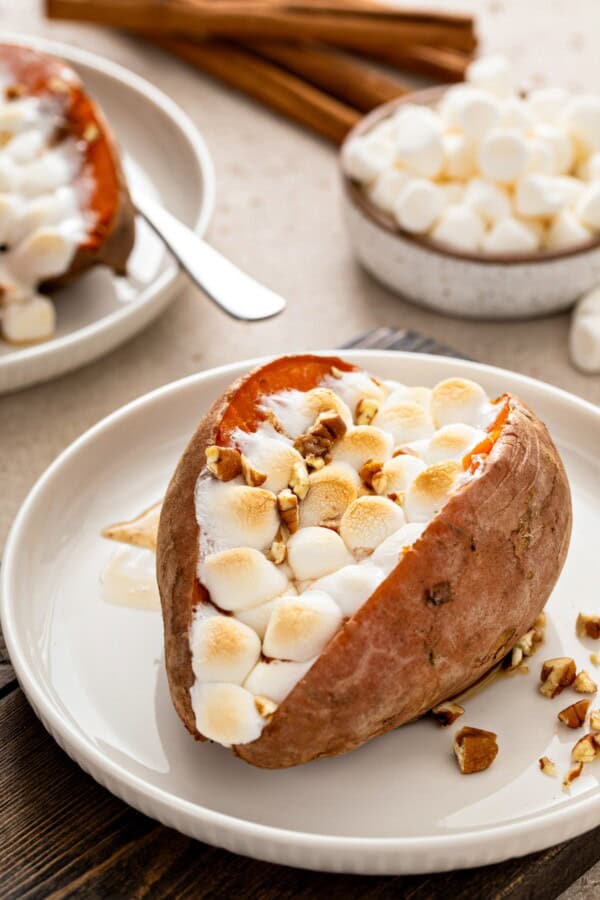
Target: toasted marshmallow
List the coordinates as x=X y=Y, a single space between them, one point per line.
x=368 y=522
x=503 y=155
x=400 y=393
x=452 y=442
x=493 y=74
x=489 y=200
x=276 y=678
x=589 y=169
x=460 y=228
x=539 y=195
x=354 y=386
x=387 y=187
x=269 y=453
x=297 y=410
x=33 y=320
x=460 y=400
x=300 y=627
x=361 y=443
x=257 y=617
x=584 y=338
x=567 y=230
x=387 y=556
x=430 y=490
x=559 y=143
x=364 y=158
x=588 y=206
x=223 y=649
x=418 y=206
x=331 y=490
x=582 y=117
x=418 y=140
x=226 y=713
x=398 y=474
x=240 y=578
x=406 y=421
x=351 y=586
x=235 y=515
x=313 y=552
x=511 y=236
x=547 y=104
x=459 y=156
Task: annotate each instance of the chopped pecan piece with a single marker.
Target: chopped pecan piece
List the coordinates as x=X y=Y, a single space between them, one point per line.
x=573 y=716
x=557 y=674
x=252 y=476
x=287 y=503
x=264 y=706
x=584 y=683
x=447 y=713
x=573 y=773
x=277 y=552
x=370 y=471
x=299 y=482
x=366 y=410
x=595 y=720
x=587 y=748
x=475 y=749
x=224 y=463
x=548 y=767
x=320 y=437
x=588 y=626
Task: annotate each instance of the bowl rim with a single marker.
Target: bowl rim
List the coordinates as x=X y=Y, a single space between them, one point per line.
x=357 y=196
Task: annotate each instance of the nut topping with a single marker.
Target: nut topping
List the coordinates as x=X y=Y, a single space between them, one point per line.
x=277 y=552
x=588 y=626
x=595 y=720
x=225 y=463
x=14 y=91
x=366 y=410
x=587 y=749
x=574 y=716
x=299 y=482
x=264 y=706
x=370 y=472
x=252 y=476
x=287 y=503
x=548 y=767
x=525 y=646
x=584 y=683
x=91 y=133
x=337 y=373
x=557 y=674
x=573 y=773
x=320 y=437
x=475 y=749
x=595 y=659
x=447 y=713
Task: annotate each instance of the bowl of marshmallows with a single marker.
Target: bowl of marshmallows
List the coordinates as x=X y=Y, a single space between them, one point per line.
x=478 y=200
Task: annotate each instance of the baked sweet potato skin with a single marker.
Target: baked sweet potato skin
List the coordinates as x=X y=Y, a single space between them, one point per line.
x=110 y=239
x=454 y=606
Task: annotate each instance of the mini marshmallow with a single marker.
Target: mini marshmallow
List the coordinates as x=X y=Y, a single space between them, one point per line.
x=584 y=337
x=406 y=421
x=300 y=627
x=511 y=236
x=270 y=454
x=398 y=474
x=459 y=156
x=547 y=104
x=223 y=649
x=487 y=199
x=235 y=515
x=240 y=578
x=322 y=399
x=453 y=192
x=313 y=552
x=388 y=554
x=430 y=490
x=354 y=386
x=491 y=73
x=369 y=521
x=418 y=206
x=559 y=144
x=589 y=169
x=387 y=187
x=51 y=170
x=474 y=112
x=566 y=230
x=33 y=320
x=257 y=617
x=276 y=678
x=588 y=205
x=539 y=195
x=364 y=158
x=402 y=393
x=571 y=189
x=331 y=490
x=44 y=254
x=351 y=586
x=226 y=713
x=582 y=117
x=460 y=400
x=26 y=146
x=460 y=228
x=17 y=115
x=361 y=443
x=453 y=442
x=503 y=155
x=516 y=113
x=418 y=139
x=541 y=157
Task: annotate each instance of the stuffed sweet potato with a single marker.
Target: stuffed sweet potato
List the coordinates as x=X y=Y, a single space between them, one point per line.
x=338 y=555
x=65 y=203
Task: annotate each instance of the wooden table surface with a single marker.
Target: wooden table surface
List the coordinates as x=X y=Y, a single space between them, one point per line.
x=277 y=216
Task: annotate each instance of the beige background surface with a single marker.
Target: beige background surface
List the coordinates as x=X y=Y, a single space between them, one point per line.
x=278 y=216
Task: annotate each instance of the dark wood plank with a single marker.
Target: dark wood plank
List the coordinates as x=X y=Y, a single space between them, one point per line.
x=65 y=836
x=7 y=675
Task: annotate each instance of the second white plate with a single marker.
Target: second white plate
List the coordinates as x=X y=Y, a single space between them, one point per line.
x=98 y=311
x=94 y=672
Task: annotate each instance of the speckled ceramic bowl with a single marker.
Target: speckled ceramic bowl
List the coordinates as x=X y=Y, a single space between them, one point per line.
x=464 y=284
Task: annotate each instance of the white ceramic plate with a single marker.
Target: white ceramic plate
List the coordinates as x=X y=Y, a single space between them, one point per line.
x=95 y=675
x=99 y=311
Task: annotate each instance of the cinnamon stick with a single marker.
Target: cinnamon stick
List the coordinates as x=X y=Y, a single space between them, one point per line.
x=280 y=90
x=348 y=79
x=352 y=26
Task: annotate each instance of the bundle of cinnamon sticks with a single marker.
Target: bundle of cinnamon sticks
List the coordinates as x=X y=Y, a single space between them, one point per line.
x=320 y=62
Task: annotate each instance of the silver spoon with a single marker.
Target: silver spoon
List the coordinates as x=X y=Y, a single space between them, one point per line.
x=236 y=293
